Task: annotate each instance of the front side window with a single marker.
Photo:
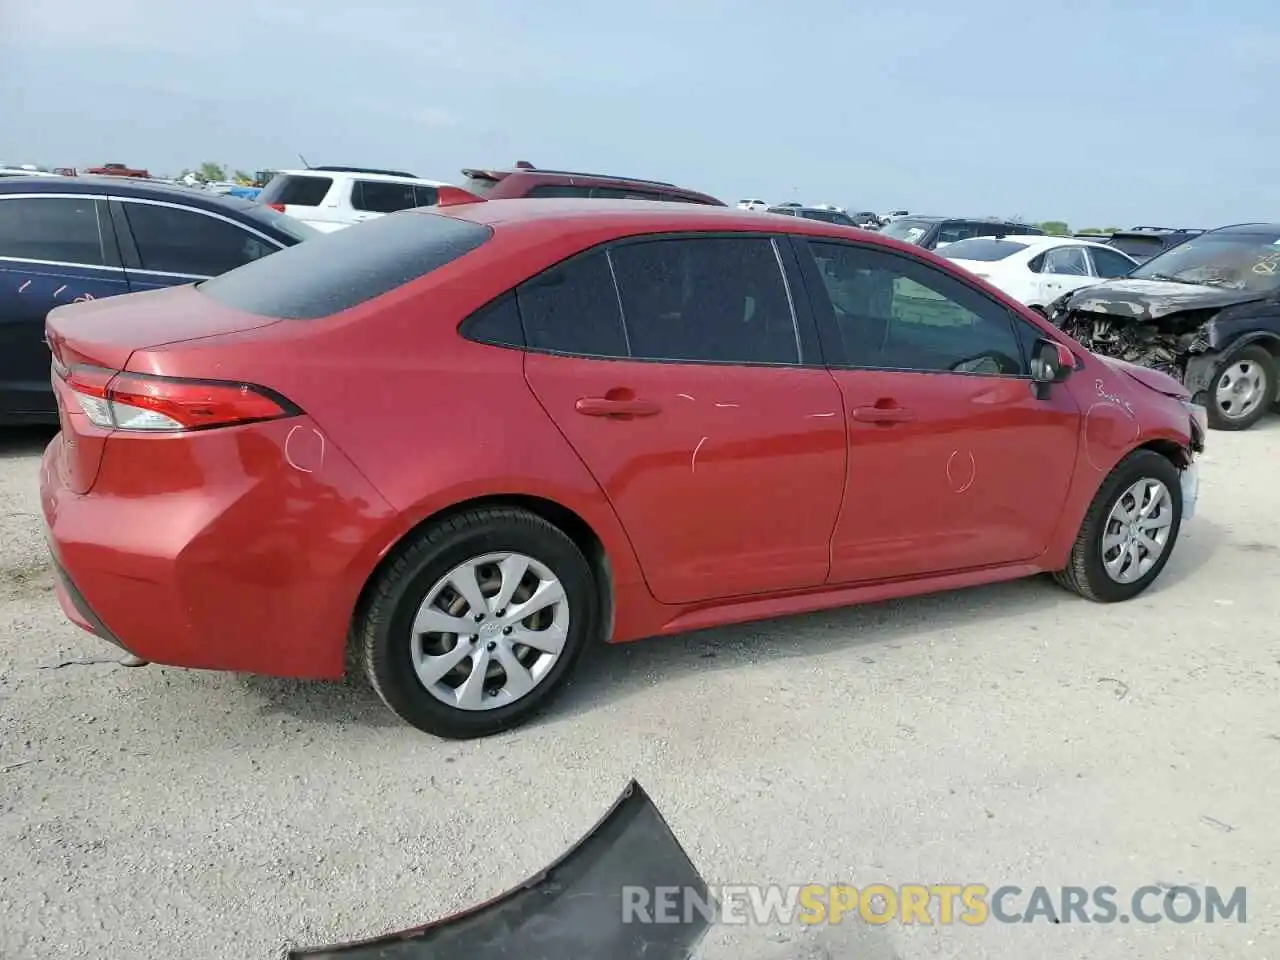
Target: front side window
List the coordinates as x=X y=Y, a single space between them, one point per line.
x=57 y=229
x=1066 y=261
x=908 y=231
x=710 y=299
x=185 y=241
x=893 y=312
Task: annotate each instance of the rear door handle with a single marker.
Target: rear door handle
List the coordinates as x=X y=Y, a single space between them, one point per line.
x=882 y=415
x=606 y=407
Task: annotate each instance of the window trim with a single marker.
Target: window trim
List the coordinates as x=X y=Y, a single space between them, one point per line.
x=833 y=345
x=133 y=241
x=112 y=261
x=808 y=342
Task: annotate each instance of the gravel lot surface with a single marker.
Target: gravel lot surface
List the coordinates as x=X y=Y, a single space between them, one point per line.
x=1013 y=734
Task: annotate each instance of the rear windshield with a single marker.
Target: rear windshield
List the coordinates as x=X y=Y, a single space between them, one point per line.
x=480 y=186
x=340 y=270
x=290 y=226
x=295 y=190
x=1141 y=247
x=909 y=231
x=981 y=249
x=827 y=216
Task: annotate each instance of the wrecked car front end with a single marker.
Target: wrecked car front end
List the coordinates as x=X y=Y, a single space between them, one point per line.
x=1185 y=330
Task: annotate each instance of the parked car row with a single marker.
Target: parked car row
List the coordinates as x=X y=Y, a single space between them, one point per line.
x=645 y=418
x=68 y=238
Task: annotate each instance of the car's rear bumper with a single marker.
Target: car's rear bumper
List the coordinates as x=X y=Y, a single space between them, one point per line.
x=212 y=551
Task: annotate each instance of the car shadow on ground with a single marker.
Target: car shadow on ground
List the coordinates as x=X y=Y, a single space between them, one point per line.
x=611 y=672
x=16 y=442
x=618 y=671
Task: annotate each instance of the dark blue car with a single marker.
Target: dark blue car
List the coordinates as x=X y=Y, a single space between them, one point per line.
x=67 y=239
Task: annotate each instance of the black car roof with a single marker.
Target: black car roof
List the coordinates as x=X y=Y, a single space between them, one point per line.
x=128 y=187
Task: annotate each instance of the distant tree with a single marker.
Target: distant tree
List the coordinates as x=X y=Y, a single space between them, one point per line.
x=1055 y=228
x=212 y=171
x=241 y=177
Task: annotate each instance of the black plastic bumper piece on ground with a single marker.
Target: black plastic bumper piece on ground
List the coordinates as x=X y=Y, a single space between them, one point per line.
x=573 y=910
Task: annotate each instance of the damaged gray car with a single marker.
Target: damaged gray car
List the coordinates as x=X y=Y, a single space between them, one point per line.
x=1206 y=311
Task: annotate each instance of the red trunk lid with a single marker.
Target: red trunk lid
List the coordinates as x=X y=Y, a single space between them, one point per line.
x=106 y=333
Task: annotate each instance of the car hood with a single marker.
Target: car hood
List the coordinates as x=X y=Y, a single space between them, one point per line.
x=1147 y=300
x=1152 y=379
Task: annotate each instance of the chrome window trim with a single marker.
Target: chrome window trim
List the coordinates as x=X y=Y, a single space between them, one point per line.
x=62 y=263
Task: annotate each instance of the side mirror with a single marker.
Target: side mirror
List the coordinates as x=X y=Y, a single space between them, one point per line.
x=1051 y=363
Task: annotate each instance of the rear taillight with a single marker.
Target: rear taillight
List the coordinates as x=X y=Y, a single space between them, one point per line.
x=135 y=401
x=279 y=207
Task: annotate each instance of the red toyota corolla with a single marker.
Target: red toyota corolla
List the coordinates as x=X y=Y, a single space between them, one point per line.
x=471 y=442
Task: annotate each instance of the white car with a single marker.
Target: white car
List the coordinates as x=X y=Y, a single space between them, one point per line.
x=330 y=198
x=752 y=205
x=1038 y=270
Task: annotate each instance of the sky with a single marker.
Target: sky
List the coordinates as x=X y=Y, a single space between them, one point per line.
x=1097 y=112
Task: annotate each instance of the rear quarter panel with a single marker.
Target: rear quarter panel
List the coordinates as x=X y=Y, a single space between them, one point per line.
x=431 y=419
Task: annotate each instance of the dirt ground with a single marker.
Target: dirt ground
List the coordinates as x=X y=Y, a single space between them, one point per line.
x=1012 y=734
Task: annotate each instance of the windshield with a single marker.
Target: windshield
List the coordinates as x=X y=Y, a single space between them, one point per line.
x=982 y=249
x=908 y=231
x=1239 y=261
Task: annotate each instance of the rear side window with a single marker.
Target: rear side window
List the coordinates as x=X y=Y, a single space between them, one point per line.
x=381 y=196
x=344 y=269
x=709 y=299
x=573 y=308
x=60 y=229
x=296 y=191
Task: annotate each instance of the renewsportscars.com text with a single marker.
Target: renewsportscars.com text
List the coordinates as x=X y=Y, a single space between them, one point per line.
x=928 y=904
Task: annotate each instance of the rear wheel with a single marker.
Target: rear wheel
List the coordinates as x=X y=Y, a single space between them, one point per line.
x=1129 y=531
x=477 y=623
x=1243 y=390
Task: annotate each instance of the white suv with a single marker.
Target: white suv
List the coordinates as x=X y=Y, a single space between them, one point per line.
x=330 y=198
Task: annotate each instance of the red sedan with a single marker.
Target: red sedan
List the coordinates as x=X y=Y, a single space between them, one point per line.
x=471 y=441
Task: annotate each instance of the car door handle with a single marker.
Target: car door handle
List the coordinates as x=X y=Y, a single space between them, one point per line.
x=882 y=415
x=608 y=407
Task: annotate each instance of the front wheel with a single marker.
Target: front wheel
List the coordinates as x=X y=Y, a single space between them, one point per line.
x=1128 y=532
x=1242 y=390
x=477 y=622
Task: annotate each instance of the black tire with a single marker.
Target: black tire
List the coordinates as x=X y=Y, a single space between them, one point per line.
x=1218 y=419
x=382 y=631
x=1085 y=573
